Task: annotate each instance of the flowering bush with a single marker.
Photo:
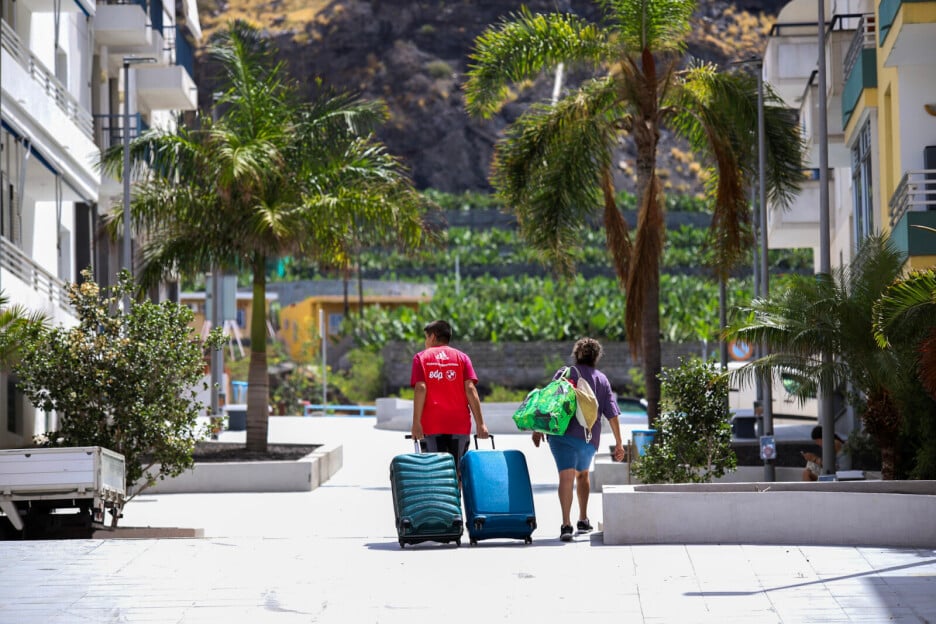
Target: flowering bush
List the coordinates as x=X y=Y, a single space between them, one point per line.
x=126 y=382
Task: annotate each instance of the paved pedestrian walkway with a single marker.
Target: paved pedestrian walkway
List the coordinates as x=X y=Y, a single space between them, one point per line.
x=331 y=556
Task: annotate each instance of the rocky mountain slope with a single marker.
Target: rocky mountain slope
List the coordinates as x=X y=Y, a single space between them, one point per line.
x=414 y=55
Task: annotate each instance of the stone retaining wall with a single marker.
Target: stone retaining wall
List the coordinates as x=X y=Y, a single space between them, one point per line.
x=528 y=364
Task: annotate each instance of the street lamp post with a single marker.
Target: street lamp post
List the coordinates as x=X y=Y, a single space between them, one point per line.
x=126 y=255
x=761 y=266
x=826 y=417
x=767 y=403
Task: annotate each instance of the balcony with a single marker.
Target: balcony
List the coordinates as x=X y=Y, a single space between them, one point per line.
x=914 y=204
x=907 y=32
x=166 y=88
x=860 y=67
x=790 y=58
x=798 y=226
x=121 y=25
x=108 y=132
x=33 y=286
x=38 y=108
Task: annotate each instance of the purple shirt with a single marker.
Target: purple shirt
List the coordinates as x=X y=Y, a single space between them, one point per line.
x=607 y=406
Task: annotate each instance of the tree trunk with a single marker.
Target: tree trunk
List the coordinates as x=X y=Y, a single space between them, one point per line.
x=882 y=421
x=258 y=378
x=651 y=348
x=643 y=284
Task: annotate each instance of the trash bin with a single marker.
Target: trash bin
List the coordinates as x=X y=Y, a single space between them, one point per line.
x=642 y=439
x=238 y=392
x=236 y=416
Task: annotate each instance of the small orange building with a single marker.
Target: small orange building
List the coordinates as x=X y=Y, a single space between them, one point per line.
x=299 y=322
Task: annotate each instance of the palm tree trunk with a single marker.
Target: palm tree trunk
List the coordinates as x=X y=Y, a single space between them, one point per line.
x=652 y=360
x=882 y=421
x=643 y=284
x=258 y=379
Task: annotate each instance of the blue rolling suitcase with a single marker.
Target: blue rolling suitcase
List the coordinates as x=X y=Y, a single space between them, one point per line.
x=426 y=502
x=498 y=495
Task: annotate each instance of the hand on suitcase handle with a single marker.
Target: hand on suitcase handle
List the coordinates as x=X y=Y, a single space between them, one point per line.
x=490 y=437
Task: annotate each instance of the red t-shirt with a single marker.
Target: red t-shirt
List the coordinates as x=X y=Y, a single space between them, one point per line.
x=444 y=370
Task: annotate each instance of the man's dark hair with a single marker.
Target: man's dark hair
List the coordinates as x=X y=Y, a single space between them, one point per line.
x=440 y=329
x=817 y=434
x=587 y=351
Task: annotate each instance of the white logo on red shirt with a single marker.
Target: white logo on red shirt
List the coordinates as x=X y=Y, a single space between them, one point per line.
x=450 y=375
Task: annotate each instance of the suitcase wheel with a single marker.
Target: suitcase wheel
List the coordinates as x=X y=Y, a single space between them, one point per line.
x=474 y=542
x=458 y=542
x=402 y=544
x=528 y=540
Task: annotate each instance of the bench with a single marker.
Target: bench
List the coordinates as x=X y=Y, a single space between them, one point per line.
x=356 y=410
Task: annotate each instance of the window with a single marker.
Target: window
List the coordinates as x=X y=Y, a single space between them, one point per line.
x=334 y=322
x=862 y=189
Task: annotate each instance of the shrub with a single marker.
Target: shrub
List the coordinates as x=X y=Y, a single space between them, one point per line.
x=694 y=432
x=363 y=382
x=122 y=381
x=500 y=394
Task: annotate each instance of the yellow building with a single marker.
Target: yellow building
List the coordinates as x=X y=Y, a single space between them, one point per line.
x=890 y=124
x=299 y=323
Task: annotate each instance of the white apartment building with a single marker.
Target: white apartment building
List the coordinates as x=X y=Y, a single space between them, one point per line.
x=65 y=76
x=881 y=122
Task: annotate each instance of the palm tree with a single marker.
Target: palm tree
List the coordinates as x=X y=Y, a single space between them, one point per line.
x=834 y=314
x=908 y=307
x=17 y=326
x=272 y=177
x=555 y=164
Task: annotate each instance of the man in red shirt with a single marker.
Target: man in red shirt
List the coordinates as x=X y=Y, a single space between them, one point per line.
x=445 y=396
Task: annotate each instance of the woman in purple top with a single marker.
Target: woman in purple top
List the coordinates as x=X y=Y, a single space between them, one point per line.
x=573 y=455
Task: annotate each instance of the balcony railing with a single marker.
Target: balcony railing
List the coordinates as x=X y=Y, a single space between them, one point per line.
x=46 y=79
x=23 y=267
x=109 y=129
x=916 y=192
x=864 y=39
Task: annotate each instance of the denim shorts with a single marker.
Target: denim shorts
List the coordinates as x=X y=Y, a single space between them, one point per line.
x=571 y=452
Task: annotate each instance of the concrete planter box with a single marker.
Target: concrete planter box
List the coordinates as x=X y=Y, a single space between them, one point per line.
x=867 y=513
x=609 y=472
x=302 y=475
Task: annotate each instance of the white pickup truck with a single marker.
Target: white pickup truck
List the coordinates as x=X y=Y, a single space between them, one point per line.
x=35 y=483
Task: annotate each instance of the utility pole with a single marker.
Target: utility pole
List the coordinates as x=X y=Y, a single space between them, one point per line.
x=826 y=417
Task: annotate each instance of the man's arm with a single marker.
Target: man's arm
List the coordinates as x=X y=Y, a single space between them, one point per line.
x=419 y=402
x=474 y=403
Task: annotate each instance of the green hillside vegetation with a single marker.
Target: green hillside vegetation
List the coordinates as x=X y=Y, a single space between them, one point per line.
x=502 y=291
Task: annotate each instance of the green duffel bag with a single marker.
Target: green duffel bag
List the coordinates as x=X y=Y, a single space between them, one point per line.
x=548 y=409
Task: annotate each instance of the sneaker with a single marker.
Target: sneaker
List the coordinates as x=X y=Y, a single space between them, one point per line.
x=584 y=526
x=565 y=533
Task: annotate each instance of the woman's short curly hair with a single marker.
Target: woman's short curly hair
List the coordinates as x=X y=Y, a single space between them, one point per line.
x=587 y=351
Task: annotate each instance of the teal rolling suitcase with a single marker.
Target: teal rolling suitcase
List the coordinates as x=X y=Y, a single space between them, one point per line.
x=426 y=500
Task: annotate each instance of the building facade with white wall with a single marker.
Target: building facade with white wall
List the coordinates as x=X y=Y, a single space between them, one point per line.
x=63 y=84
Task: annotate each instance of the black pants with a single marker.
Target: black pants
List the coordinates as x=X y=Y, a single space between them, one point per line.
x=451 y=443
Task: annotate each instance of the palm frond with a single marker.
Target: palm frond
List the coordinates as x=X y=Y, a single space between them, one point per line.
x=521 y=47
x=656 y=25
x=548 y=165
x=911 y=299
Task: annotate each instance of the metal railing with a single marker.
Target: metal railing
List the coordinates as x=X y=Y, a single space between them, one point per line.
x=863 y=40
x=109 y=129
x=46 y=79
x=23 y=267
x=916 y=192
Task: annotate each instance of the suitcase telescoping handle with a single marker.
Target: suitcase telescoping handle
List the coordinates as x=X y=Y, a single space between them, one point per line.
x=416 y=445
x=490 y=436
